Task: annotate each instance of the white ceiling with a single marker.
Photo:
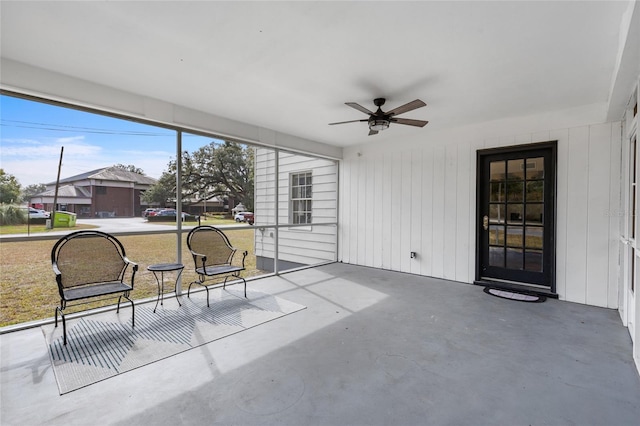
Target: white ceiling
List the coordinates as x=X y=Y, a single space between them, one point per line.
x=290 y=66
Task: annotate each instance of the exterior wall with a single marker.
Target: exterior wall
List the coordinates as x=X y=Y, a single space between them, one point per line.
x=420 y=196
x=298 y=246
x=122 y=202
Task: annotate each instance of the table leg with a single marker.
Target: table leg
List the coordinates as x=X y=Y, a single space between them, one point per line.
x=175 y=286
x=160 y=289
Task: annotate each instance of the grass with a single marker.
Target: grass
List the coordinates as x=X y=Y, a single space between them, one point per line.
x=28 y=290
x=36 y=229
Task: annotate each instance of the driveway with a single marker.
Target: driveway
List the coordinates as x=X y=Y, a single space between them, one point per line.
x=130 y=224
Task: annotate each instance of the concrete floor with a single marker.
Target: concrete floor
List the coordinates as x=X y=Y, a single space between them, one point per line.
x=373 y=347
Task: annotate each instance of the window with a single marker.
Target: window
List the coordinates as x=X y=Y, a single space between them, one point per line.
x=101 y=190
x=301 y=197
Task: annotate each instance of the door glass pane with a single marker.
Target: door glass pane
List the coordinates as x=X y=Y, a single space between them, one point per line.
x=514 y=258
x=497 y=190
x=515 y=169
x=534 y=214
x=496 y=235
x=496 y=213
x=535 y=168
x=496 y=171
x=534 y=237
x=514 y=213
x=514 y=236
x=496 y=256
x=533 y=260
x=515 y=191
x=535 y=190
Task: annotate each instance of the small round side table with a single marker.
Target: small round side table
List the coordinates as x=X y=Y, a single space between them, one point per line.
x=162 y=268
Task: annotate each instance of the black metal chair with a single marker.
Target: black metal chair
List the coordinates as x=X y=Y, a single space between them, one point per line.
x=213 y=257
x=88 y=265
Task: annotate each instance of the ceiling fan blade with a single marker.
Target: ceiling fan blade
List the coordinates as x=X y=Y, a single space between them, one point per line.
x=359 y=107
x=373 y=132
x=345 y=122
x=407 y=107
x=408 y=121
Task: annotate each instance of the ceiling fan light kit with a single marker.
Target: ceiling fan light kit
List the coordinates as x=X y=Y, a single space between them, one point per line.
x=381 y=120
x=378 y=125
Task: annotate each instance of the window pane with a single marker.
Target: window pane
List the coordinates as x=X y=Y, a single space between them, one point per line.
x=515 y=191
x=534 y=214
x=534 y=237
x=496 y=235
x=514 y=236
x=496 y=213
x=533 y=260
x=514 y=213
x=535 y=190
x=514 y=258
x=515 y=169
x=496 y=256
x=496 y=171
x=535 y=168
x=497 y=190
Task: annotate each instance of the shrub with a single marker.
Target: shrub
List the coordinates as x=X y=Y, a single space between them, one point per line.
x=12 y=215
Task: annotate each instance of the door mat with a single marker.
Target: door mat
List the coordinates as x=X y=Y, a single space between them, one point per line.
x=105 y=345
x=515 y=295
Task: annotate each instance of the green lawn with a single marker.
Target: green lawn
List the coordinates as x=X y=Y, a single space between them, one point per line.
x=36 y=229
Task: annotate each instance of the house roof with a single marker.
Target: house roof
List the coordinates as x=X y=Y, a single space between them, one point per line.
x=114 y=174
x=291 y=66
x=67 y=191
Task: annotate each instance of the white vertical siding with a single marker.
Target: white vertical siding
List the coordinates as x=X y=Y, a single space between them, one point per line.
x=438 y=211
x=577 y=213
x=425 y=192
x=425 y=254
x=597 y=215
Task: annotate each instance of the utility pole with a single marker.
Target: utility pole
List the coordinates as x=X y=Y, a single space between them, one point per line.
x=55 y=194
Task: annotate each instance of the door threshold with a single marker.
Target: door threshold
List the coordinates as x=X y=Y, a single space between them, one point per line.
x=523 y=288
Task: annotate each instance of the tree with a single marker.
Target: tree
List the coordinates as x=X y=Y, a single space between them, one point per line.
x=164 y=190
x=129 y=168
x=34 y=189
x=223 y=169
x=9 y=188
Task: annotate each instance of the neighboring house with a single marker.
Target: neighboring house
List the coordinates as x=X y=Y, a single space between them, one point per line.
x=106 y=192
x=307 y=195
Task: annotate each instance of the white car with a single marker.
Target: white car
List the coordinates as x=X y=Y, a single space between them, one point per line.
x=38 y=214
x=244 y=217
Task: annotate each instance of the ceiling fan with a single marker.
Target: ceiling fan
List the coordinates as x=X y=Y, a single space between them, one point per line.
x=381 y=120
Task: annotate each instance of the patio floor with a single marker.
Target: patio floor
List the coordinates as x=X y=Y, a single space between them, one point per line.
x=373 y=347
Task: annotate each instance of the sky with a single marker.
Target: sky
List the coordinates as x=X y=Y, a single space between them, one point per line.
x=32 y=134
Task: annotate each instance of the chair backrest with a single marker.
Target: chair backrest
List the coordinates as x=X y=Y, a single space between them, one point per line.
x=210 y=242
x=87 y=257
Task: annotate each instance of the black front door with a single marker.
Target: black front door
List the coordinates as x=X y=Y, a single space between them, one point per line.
x=516 y=210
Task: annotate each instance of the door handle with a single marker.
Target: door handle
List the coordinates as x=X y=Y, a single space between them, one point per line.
x=485 y=222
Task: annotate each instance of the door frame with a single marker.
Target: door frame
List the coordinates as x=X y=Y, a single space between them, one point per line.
x=552 y=146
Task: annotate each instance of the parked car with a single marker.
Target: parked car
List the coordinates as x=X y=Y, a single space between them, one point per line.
x=150 y=212
x=171 y=212
x=245 y=217
x=38 y=214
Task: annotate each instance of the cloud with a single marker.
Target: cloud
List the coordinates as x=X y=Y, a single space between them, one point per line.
x=33 y=148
